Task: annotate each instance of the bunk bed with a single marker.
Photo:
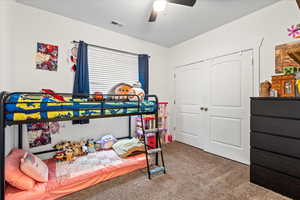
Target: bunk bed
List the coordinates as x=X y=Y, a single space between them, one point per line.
x=21 y=108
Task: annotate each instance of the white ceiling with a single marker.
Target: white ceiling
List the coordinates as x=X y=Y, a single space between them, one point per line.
x=173 y=26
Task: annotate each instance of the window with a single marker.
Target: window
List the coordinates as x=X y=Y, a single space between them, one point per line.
x=107 y=68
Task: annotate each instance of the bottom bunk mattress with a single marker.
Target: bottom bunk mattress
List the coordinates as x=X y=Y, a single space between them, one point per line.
x=66 y=178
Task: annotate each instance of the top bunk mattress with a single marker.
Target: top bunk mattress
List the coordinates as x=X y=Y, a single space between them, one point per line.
x=20 y=107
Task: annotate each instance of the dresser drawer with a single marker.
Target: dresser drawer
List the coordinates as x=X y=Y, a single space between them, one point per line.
x=276 y=108
x=284 y=164
x=276 y=126
x=278 y=182
x=286 y=146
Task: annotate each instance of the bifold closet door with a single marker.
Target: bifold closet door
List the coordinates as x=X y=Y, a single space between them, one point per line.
x=230 y=86
x=191 y=99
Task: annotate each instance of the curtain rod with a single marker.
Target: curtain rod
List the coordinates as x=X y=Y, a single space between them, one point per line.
x=110 y=49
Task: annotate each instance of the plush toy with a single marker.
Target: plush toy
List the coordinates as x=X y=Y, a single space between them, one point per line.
x=98 y=96
x=121 y=89
x=77 y=149
x=59 y=156
x=91 y=146
x=137 y=90
x=61 y=146
x=107 y=141
x=98 y=145
x=67 y=151
x=69 y=154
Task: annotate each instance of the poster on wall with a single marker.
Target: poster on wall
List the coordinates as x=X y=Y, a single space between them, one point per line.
x=287 y=55
x=46 y=56
x=40 y=134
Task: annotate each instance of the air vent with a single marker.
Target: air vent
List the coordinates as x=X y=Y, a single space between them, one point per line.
x=115 y=23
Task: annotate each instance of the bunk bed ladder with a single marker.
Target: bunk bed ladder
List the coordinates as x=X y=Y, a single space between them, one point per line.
x=150 y=150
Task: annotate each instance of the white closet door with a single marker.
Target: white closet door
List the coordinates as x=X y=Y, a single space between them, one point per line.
x=231 y=81
x=191 y=95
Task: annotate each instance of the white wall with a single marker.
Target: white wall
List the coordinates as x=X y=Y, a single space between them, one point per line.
x=6 y=61
x=30 y=25
x=270 y=23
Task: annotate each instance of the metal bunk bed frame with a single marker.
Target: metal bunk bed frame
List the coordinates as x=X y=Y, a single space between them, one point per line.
x=4 y=123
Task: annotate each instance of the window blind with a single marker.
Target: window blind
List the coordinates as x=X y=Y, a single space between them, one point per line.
x=107 y=68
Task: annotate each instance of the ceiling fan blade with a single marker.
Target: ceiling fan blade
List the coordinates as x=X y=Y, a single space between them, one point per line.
x=186 y=2
x=298 y=2
x=153 y=16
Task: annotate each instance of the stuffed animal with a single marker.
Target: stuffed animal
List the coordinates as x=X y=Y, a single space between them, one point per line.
x=98 y=96
x=84 y=148
x=91 y=146
x=69 y=154
x=107 y=141
x=59 y=156
x=137 y=90
x=77 y=150
x=121 y=89
x=98 y=146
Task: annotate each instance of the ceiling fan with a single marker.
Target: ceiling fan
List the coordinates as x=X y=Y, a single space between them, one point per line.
x=160 y=5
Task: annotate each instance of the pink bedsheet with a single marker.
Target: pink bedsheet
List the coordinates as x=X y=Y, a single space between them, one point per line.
x=57 y=187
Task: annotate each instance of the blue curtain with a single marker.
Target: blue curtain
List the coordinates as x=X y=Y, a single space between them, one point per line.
x=81 y=81
x=144 y=72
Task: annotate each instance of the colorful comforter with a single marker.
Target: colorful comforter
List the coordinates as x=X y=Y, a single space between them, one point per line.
x=29 y=107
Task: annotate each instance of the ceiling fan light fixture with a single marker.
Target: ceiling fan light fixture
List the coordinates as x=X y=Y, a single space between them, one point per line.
x=159 y=5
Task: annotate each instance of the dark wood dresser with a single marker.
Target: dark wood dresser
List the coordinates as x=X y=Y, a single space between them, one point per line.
x=275 y=144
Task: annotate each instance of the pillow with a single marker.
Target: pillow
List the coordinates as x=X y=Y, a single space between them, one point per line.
x=13 y=175
x=34 y=167
x=127 y=147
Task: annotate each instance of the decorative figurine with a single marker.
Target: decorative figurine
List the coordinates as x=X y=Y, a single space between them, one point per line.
x=297 y=89
x=265 y=88
x=290 y=70
x=284 y=84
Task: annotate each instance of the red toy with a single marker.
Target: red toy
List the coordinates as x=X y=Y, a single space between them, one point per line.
x=52 y=93
x=98 y=96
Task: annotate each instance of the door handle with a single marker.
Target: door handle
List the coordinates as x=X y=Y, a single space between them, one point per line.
x=205 y=109
x=202 y=108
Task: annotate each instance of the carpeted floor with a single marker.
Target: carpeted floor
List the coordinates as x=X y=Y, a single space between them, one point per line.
x=192 y=175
